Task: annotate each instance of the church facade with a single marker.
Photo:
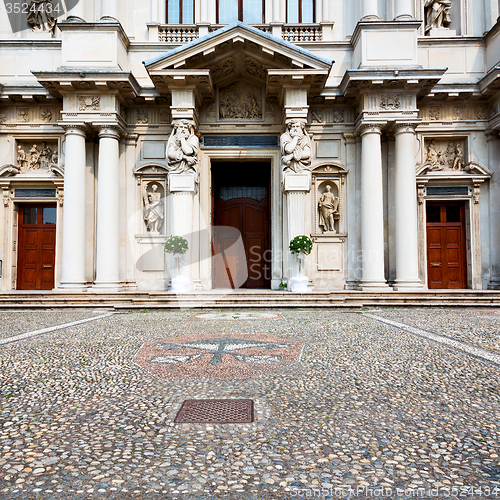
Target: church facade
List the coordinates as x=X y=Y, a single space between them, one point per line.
x=370 y=126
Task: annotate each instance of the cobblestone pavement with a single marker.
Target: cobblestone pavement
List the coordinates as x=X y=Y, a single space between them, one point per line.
x=369 y=410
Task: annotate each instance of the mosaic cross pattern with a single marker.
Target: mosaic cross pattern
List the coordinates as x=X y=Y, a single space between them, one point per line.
x=217 y=356
x=235 y=316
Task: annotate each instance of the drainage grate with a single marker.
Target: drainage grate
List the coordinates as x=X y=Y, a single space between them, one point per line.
x=215 y=411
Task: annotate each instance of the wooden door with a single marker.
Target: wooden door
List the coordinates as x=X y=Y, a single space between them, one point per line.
x=36 y=247
x=241 y=203
x=446 y=256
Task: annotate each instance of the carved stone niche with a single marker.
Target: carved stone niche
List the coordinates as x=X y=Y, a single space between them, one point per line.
x=37 y=157
x=444 y=155
x=328 y=182
x=151 y=199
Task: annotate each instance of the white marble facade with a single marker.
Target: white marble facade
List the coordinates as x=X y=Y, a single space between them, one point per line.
x=371 y=107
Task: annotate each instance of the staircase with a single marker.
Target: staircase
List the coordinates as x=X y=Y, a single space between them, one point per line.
x=131 y=300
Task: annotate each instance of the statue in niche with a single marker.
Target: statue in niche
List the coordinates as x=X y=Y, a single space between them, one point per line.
x=22 y=158
x=41 y=16
x=328 y=210
x=153 y=210
x=295 y=147
x=182 y=148
x=437 y=14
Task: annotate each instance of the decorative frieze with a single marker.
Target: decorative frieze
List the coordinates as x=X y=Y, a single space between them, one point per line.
x=37 y=157
x=390 y=102
x=23 y=115
x=89 y=103
x=457 y=112
x=329 y=115
x=142 y=116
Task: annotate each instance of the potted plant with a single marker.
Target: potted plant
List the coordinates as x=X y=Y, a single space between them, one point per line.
x=301 y=246
x=178 y=246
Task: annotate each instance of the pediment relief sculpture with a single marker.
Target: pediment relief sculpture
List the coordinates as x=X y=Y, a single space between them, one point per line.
x=37 y=158
x=437 y=14
x=296 y=147
x=182 y=148
x=239 y=101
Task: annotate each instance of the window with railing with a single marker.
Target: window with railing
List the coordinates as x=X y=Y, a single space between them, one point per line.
x=180 y=12
x=247 y=11
x=300 y=11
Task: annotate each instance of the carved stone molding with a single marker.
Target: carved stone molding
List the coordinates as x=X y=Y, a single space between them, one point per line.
x=404 y=127
x=46 y=115
x=23 y=115
x=370 y=128
x=142 y=116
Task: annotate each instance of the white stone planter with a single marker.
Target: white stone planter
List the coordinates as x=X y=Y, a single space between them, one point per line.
x=298 y=284
x=180 y=284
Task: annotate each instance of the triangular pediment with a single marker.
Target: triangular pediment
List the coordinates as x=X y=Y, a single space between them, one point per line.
x=218 y=45
x=238 y=51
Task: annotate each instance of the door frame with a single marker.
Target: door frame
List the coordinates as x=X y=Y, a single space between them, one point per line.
x=472 y=232
x=243 y=155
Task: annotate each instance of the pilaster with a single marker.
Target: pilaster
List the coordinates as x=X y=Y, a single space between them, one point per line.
x=494 y=163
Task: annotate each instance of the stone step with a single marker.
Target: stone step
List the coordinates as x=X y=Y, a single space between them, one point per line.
x=248 y=299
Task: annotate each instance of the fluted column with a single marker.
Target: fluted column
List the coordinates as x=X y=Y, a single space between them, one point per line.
x=403 y=10
x=406 y=209
x=77 y=12
x=74 y=237
x=372 y=209
x=108 y=209
x=370 y=10
x=109 y=10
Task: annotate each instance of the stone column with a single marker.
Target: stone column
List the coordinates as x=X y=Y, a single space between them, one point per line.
x=403 y=10
x=74 y=237
x=77 y=12
x=494 y=163
x=109 y=10
x=372 y=209
x=406 y=209
x=108 y=209
x=370 y=10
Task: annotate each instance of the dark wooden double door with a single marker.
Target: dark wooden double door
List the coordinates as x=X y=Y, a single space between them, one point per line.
x=36 y=247
x=446 y=255
x=240 y=201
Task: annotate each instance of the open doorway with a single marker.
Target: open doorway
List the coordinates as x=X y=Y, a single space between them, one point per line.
x=241 y=199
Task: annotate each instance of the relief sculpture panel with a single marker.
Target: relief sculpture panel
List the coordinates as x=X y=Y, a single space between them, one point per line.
x=37 y=157
x=240 y=101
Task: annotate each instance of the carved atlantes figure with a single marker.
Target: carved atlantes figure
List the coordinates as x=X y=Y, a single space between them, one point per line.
x=182 y=148
x=328 y=210
x=295 y=147
x=438 y=14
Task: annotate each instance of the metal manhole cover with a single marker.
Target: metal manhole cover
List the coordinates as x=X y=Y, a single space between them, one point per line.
x=215 y=411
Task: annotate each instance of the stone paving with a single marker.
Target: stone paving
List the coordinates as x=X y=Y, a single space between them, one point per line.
x=368 y=410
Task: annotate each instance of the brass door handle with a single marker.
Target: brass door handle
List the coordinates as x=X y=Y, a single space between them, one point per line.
x=435 y=265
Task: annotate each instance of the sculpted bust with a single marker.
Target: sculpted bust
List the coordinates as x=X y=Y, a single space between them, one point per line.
x=295 y=147
x=182 y=148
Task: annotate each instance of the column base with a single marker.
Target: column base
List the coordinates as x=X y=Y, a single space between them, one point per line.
x=407 y=285
x=107 y=286
x=78 y=286
x=373 y=286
